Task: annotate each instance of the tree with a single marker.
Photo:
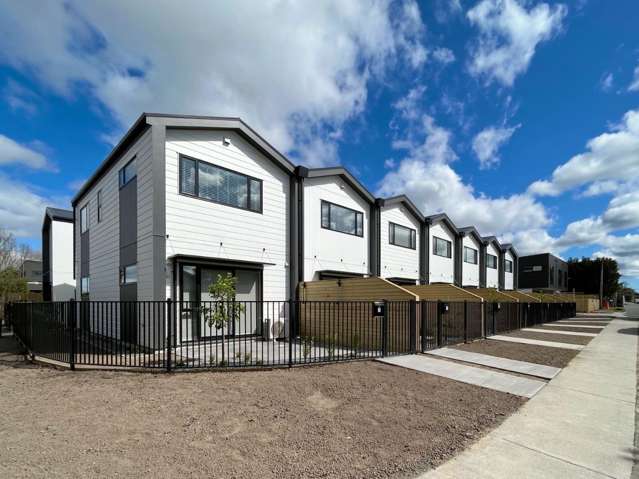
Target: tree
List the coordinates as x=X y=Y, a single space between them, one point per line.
x=584 y=276
x=12 y=284
x=13 y=255
x=224 y=309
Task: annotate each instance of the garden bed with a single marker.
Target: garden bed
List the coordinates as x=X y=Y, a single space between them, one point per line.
x=360 y=419
x=559 y=338
x=555 y=357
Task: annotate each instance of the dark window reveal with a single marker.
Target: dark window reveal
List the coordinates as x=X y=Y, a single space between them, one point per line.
x=402 y=236
x=470 y=255
x=442 y=247
x=509 y=266
x=84 y=219
x=491 y=261
x=342 y=219
x=128 y=172
x=219 y=185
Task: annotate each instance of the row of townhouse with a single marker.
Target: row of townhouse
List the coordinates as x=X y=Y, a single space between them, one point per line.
x=182 y=198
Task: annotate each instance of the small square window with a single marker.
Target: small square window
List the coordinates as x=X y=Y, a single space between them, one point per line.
x=128 y=172
x=84 y=219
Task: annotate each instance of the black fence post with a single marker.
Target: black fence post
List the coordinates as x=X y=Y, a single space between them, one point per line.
x=169 y=332
x=72 y=338
x=465 y=320
x=413 y=326
x=440 y=332
x=385 y=330
x=423 y=306
x=484 y=314
x=291 y=320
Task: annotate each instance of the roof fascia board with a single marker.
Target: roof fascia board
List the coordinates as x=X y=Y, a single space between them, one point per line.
x=405 y=200
x=344 y=174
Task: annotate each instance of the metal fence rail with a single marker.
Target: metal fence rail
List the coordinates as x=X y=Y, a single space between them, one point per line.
x=167 y=335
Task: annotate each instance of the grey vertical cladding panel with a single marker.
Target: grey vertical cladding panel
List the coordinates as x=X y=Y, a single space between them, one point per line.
x=293 y=215
x=128 y=211
x=84 y=254
x=158 y=171
x=374 y=243
x=458 y=260
x=502 y=273
x=423 y=253
x=482 y=266
x=128 y=214
x=46 y=261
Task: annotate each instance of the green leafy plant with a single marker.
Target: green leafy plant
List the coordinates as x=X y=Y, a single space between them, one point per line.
x=224 y=309
x=247 y=358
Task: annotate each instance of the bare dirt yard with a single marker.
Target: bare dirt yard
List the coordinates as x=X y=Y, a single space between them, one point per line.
x=560 y=338
x=555 y=357
x=360 y=419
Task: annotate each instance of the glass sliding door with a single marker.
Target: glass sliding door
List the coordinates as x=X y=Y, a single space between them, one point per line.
x=196 y=301
x=189 y=307
x=247 y=292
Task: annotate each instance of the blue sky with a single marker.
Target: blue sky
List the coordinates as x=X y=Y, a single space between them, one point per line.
x=520 y=117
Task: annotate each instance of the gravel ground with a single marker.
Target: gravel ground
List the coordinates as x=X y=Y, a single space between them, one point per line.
x=575 y=329
x=360 y=419
x=560 y=338
x=555 y=357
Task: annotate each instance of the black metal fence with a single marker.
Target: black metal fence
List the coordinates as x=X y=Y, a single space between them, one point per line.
x=166 y=335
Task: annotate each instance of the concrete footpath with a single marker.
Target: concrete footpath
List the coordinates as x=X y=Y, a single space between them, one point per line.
x=581 y=425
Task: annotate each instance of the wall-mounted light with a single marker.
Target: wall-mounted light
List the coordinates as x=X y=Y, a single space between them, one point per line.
x=226 y=141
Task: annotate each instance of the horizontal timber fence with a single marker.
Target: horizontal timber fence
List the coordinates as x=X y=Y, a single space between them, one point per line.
x=168 y=335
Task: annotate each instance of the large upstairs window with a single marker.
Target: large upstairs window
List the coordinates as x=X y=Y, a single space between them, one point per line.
x=219 y=185
x=402 y=236
x=128 y=172
x=491 y=261
x=342 y=219
x=442 y=247
x=509 y=266
x=470 y=255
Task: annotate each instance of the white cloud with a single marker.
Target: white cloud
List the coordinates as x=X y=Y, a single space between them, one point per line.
x=295 y=84
x=607 y=82
x=634 y=85
x=622 y=212
x=610 y=156
x=12 y=152
x=426 y=176
x=444 y=10
x=409 y=106
x=21 y=208
x=600 y=188
x=509 y=35
x=443 y=55
x=389 y=163
x=20 y=98
x=487 y=143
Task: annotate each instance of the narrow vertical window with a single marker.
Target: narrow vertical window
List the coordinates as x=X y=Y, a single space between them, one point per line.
x=99 y=206
x=84 y=220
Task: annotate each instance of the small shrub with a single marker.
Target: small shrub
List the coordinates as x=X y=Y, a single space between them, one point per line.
x=330 y=345
x=307 y=346
x=355 y=343
x=247 y=358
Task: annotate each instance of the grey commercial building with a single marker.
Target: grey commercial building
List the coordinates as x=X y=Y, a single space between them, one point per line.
x=544 y=272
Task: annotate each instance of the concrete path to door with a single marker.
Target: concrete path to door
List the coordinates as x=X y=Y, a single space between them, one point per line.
x=566 y=333
x=581 y=425
x=508 y=383
x=537 y=342
x=511 y=365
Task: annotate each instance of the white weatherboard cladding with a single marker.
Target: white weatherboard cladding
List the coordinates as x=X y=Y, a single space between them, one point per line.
x=196 y=227
x=509 y=277
x=325 y=249
x=104 y=237
x=397 y=261
x=442 y=270
x=492 y=274
x=61 y=254
x=470 y=272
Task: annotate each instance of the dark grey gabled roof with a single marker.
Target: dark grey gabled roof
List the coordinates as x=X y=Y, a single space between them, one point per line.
x=471 y=230
x=492 y=239
x=145 y=120
x=511 y=248
x=58 y=214
x=337 y=171
x=404 y=200
x=442 y=217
